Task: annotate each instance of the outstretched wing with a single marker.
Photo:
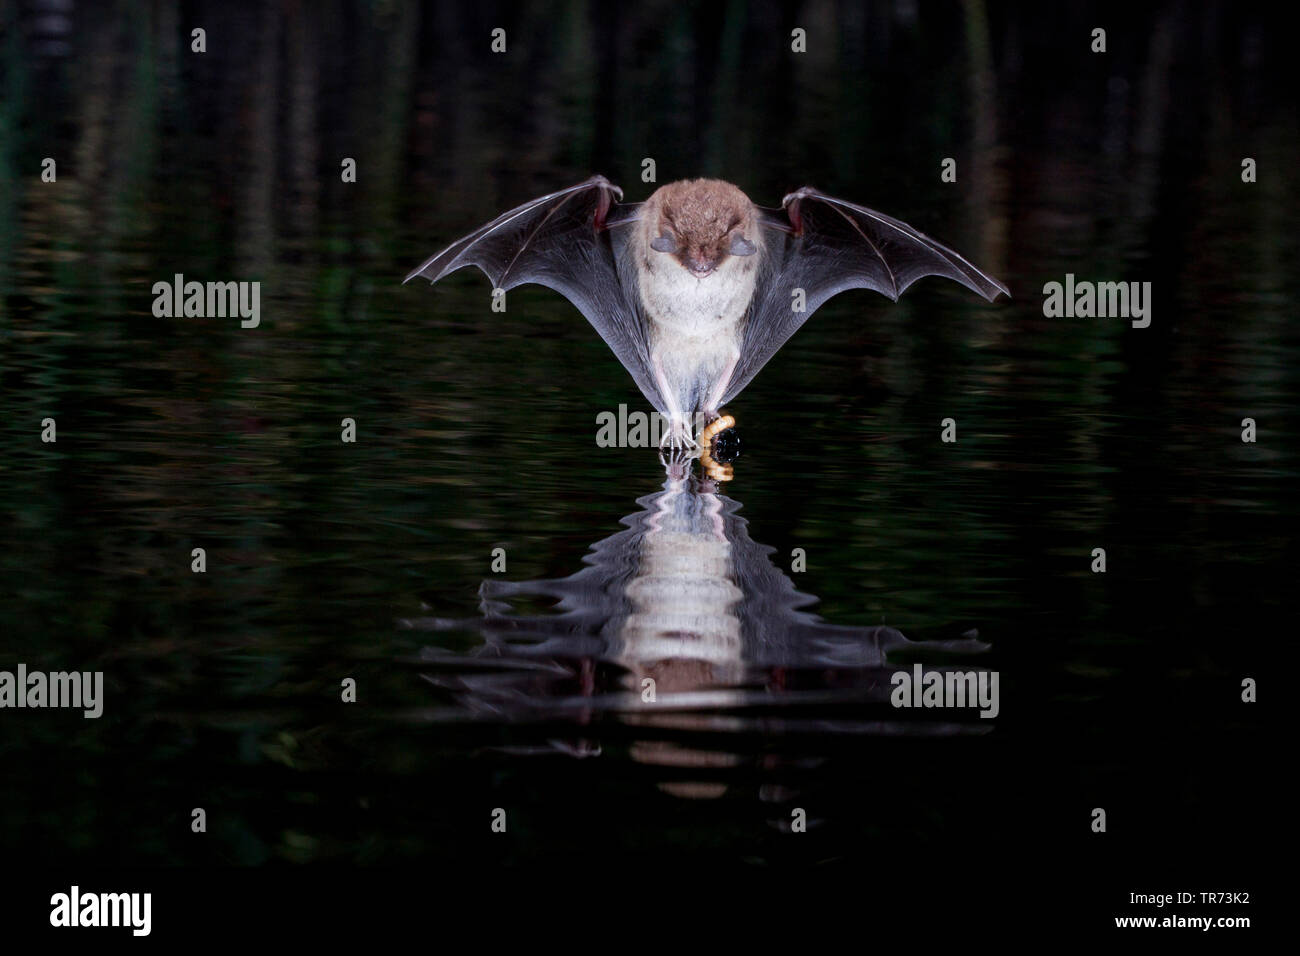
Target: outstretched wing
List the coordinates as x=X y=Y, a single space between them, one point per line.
x=567 y=241
x=825 y=246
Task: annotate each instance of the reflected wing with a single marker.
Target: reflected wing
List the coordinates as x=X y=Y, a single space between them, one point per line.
x=567 y=241
x=824 y=246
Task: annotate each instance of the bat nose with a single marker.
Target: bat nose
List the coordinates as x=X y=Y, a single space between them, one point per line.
x=700 y=267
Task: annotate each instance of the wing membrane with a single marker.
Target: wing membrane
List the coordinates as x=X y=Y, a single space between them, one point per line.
x=825 y=246
x=566 y=241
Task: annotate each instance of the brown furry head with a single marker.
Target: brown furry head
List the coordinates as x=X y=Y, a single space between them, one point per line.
x=701 y=222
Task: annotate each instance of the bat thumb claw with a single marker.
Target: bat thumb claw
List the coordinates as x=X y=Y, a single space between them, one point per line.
x=599 y=180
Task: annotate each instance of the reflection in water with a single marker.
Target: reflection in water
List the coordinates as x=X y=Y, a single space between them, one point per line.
x=682 y=626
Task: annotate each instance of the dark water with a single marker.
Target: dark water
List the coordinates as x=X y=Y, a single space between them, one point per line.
x=521 y=690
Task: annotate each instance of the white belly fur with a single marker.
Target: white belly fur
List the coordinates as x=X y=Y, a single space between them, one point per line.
x=695 y=323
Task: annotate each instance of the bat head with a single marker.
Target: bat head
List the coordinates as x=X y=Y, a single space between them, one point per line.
x=701 y=223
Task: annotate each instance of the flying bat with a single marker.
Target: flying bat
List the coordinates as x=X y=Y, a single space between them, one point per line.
x=696 y=288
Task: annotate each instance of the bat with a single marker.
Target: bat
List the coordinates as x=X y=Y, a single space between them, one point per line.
x=697 y=288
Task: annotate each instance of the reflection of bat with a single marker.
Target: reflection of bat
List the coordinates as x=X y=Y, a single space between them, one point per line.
x=696 y=288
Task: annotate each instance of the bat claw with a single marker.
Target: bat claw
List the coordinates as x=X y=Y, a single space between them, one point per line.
x=678 y=438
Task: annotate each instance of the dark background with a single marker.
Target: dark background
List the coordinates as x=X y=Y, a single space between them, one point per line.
x=1119 y=691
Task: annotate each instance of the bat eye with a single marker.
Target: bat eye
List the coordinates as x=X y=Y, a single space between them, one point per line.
x=663 y=244
x=740 y=246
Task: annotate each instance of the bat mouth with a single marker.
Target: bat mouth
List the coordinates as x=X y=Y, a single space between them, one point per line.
x=700 y=273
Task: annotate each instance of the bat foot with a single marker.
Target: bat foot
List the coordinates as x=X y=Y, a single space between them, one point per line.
x=678 y=438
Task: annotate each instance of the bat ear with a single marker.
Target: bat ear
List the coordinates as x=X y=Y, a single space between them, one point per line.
x=740 y=246
x=663 y=244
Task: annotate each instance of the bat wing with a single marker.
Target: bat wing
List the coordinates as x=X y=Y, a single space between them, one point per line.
x=825 y=246
x=567 y=241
